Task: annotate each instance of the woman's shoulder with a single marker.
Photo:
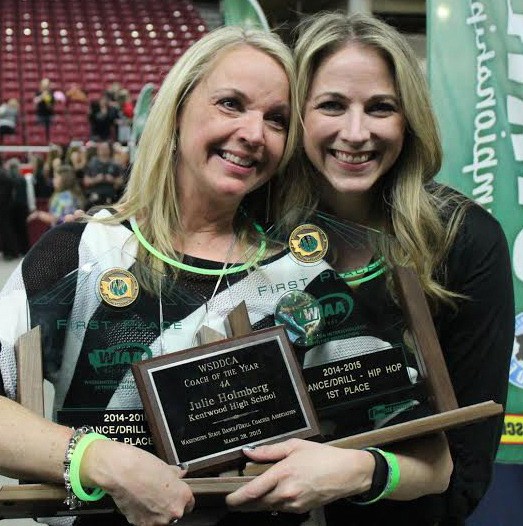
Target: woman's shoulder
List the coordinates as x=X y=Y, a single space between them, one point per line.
x=58 y=251
x=52 y=257
x=477 y=226
x=479 y=246
x=70 y=234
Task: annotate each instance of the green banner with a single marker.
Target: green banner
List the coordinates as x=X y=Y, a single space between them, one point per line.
x=476 y=79
x=245 y=13
x=141 y=112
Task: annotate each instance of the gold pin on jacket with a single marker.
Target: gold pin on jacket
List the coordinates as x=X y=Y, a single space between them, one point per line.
x=118 y=287
x=308 y=243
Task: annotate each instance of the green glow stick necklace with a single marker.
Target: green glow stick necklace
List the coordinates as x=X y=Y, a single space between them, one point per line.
x=197 y=270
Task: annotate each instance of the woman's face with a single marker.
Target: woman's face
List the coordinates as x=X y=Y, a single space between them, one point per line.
x=233 y=127
x=56 y=163
x=354 y=127
x=57 y=182
x=76 y=157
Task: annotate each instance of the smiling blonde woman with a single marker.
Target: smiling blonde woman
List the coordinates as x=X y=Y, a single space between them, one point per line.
x=371 y=151
x=224 y=123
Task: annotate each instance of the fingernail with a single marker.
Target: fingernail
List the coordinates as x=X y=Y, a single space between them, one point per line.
x=183 y=465
x=249 y=448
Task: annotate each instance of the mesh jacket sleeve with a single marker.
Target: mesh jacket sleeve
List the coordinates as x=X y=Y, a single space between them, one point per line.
x=49 y=260
x=477 y=339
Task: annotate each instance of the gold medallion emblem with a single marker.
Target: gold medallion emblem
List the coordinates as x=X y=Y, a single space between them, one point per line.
x=118 y=287
x=308 y=243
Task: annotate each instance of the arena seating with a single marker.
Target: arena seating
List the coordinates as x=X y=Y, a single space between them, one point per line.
x=91 y=44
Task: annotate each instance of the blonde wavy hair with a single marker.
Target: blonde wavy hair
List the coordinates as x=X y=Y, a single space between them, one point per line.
x=422 y=217
x=151 y=191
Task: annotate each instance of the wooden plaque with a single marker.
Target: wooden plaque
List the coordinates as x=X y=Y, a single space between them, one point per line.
x=31 y=500
x=433 y=366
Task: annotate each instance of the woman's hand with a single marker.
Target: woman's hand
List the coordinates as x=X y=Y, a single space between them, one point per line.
x=145 y=489
x=76 y=215
x=34 y=215
x=307 y=475
x=40 y=215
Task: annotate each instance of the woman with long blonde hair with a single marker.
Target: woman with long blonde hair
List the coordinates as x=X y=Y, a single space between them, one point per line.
x=371 y=150
x=138 y=280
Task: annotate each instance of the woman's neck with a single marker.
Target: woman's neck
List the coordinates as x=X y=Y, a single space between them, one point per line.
x=203 y=211
x=362 y=209
x=200 y=220
x=207 y=231
x=356 y=208
x=210 y=246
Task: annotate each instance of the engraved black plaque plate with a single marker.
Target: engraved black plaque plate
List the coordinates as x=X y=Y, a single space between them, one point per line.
x=204 y=404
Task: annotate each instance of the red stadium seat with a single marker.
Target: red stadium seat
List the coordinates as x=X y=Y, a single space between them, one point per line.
x=12 y=140
x=71 y=53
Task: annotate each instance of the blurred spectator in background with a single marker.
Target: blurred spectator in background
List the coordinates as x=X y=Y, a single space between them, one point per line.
x=76 y=94
x=19 y=206
x=59 y=96
x=8 y=117
x=122 y=158
x=125 y=117
x=102 y=119
x=67 y=197
x=75 y=156
x=103 y=177
x=44 y=102
x=126 y=104
x=43 y=186
x=52 y=161
x=112 y=93
x=90 y=151
x=7 y=231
